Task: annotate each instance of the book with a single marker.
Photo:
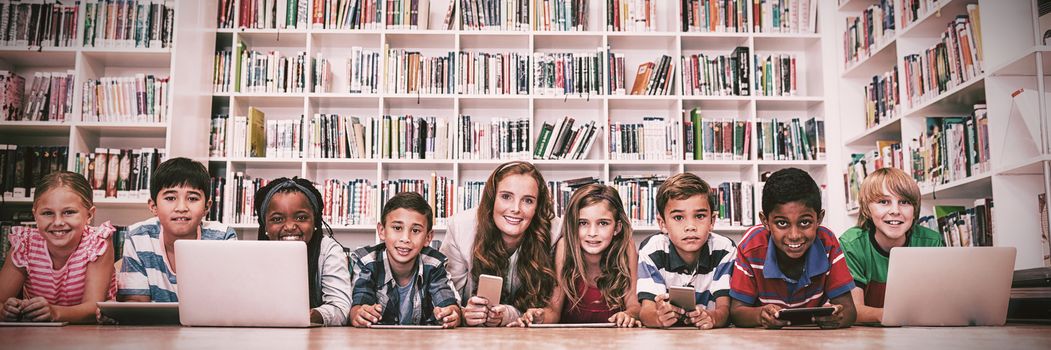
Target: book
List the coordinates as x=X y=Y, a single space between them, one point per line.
x=255 y=133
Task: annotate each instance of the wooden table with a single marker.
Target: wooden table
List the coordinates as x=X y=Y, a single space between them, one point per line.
x=174 y=337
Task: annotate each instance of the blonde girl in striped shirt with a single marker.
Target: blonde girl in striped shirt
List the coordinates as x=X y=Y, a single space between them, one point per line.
x=58 y=270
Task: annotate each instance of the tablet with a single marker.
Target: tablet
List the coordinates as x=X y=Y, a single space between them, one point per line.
x=573 y=325
x=404 y=326
x=32 y=324
x=140 y=313
x=804 y=315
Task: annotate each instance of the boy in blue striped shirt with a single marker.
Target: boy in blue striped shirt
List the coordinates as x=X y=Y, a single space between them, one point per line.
x=402 y=281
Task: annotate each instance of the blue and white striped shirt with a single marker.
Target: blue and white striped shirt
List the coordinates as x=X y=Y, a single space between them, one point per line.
x=144 y=267
x=660 y=267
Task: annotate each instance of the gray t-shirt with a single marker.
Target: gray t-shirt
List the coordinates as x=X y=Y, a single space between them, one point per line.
x=405 y=296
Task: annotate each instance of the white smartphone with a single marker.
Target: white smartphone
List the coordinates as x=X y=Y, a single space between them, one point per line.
x=489 y=287
x=683 y=297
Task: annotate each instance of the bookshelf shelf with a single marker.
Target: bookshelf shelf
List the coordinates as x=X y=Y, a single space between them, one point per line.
x=35 y=128
x=55 y=59
x=1032 y=166
x=933 y=22
x=17 y=200
x=975 y=186
x=123 y=202
x=854 y=5
x=1025 y=63
x=887 y=130
x=959 y=99
x=881 y=59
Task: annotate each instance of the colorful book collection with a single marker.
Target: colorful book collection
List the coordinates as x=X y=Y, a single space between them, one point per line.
x=439 y=191
x=264 y=14
x=562 y=191
x=560 y=15
x=655 y=138
x=347 y=14
x=469 y=193
x=119 y=173
x=483 y=73
x=869 y=31
x=50 y=96
x=963 y=226
x=272 y=72
x=775 y=75
x=716 y=75
x=563 y=141
x=411 y=72
x=793 y=139
x=492 y=14
x=363 y=68
x=572 y=73
x=954 y=60
x=38 y=24
x=142 y=98
x=639 y=195
x=216 y=194
x=631 y=15
x=655 y=78
x=128 y=23
x=244 y=188
x=759 y=16
x=407 y=14
x=349 y=202
x=912 y=10
x=733 y=203
x=715 y=138
x=882 y=101
x=951 y=148
x=888 y=153
x=22 y=166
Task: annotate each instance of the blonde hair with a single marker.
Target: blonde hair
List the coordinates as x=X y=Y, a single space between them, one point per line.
x=896 y=182
x=615 y=279
x=70 y=180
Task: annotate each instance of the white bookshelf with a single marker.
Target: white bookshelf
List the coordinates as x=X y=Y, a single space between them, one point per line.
x=83 y=136
x=1014 y=58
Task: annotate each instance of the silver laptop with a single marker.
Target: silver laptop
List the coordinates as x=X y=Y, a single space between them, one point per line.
x=242 y=283
x=948 y=286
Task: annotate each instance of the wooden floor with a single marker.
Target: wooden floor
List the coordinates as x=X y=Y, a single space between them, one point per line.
x=174 y=337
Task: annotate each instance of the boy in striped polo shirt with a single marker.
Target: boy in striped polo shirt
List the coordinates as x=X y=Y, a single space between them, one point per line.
x=178 y=198
x=685 y=254
x=790 y=261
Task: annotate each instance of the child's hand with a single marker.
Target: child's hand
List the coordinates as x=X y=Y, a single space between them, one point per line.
x=476 y=311
x=102 y=319
x=667 y=314
x=831 y=321
x=623 y=320
x=495 y=315
x=12 y=310
x=531 y=316
x=768 y=317
x=368 y=315
x=447 y=316
x=701 y=318
x=36 y=310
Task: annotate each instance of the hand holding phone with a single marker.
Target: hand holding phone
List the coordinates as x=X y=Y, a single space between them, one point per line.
x=683 y=297
x=489 y=287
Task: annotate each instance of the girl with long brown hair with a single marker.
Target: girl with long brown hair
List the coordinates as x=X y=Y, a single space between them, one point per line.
x=595 y=263
x=507 y=235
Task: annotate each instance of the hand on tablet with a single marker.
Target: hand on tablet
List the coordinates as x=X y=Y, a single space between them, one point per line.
x=367 y=315
x=667 y=314
x=700 y=318
x=623 y=320
x=102 y=319
x=530 y=316
x=476 y=311
x=768 y=317
x=12 y=310
x=36 y=310
x=448 y=316
x=831 y=321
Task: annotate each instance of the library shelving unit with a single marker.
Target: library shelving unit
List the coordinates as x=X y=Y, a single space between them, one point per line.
x=93 y=62
x=1015 y=57
x=207 y=38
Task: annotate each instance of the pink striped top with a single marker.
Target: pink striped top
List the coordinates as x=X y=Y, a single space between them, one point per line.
x=65 y=286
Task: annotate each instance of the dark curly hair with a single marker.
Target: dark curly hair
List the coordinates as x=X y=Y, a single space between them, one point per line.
x=791 y=185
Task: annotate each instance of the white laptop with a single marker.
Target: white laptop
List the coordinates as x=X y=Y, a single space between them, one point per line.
x=242 y=283
x=948 y=286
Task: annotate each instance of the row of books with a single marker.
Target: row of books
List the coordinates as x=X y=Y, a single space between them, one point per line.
x=128 y=23
x=270 y=72
x=718 y=75
x=243 y=189
x=22 y=166
x=715 y=138
x=119 y=173
x=639 y=196
x=759 y=16
x=142 y=98
x=652 y=139
x=912 y=10
x=654 y=78
x=38 y=24
x=562 y=191
x=564 y=141
x=413 y=72
x=387 y=137
x=791 y=140
x=347 y=14
x=469 y=193
x=349 y=202
x=407 y=14
x=882 y=101
x=492 y=73
x=775 y=75
x=321 y=73
x=363 y=68
x=867 y=32
x=50 y=96
x=439 y=191
x=264 y=14
x=888 y=154
x=733 y=204
x=963 y=226
x=216 y=194
x=955 y=59
x=575 y=73
x=951 y=148
x=631 y=15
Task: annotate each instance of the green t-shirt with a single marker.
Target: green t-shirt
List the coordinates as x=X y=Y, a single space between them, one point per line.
x=868 y=262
